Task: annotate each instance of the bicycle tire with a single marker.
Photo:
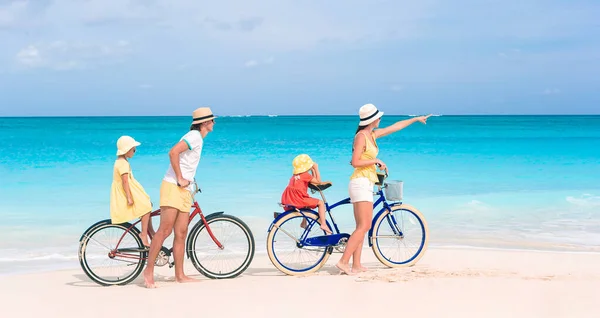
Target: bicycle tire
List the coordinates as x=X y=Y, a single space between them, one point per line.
x=82 y=253
x=275 y=260
x=424 y=240
x=198 y=229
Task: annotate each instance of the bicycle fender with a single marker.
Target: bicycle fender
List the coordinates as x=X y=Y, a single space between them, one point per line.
x=103 y=222
x=212 y=215
x=198 y=224
x=282 y=214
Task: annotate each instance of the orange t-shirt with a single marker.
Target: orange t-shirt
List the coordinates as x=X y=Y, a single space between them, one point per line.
x=296 y=193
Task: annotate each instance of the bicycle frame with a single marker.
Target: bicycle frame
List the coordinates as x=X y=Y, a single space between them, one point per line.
x=380 y=200
x=197 y=211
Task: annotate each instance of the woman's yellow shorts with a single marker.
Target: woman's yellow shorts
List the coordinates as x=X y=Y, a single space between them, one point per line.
x=173 y=196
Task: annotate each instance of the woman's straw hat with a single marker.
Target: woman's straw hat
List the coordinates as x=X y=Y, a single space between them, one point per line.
x=124 y=144
x=302 y=163
x=202 y=114
x=368 y=113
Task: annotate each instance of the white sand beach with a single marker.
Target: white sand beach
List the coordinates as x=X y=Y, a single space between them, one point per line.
x=445 y=283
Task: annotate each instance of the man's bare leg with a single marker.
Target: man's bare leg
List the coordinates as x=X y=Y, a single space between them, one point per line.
x=167 y=221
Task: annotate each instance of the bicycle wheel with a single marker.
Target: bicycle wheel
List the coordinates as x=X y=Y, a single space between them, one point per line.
x=227 y=262
x=400 y=237
x=112 y=254
x=285 y=251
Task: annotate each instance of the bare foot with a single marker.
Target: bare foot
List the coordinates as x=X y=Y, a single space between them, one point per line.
x=149 y=280
x=345 y=268
x=303 y=224
x=359 y=269
x=186 y=279
x=326 y=229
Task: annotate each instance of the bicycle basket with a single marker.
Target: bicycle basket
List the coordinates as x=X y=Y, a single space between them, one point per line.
x=393 y=190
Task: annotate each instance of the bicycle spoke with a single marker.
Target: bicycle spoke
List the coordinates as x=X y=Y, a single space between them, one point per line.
x=104 y=267
x=285 y=240
x=288 y=234
x=235 y=240
x=400 y=237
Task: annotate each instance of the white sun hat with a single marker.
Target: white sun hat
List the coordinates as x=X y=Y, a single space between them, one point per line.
x=368 y=113
x=124 y=144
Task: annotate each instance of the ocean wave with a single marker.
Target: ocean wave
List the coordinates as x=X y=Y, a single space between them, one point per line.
x=47 y=257
x=585 y=200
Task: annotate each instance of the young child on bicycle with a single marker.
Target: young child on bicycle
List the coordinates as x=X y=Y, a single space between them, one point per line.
x=128 y=199
x=296 y=192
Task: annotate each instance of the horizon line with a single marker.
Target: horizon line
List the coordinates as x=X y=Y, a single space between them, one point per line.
x=287 y=115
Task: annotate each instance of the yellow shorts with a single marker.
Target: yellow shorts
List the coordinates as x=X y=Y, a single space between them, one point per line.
x=173 y=196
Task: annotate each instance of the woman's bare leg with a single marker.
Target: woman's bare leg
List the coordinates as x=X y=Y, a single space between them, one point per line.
x=181 y=229
x=363 y=213
x=356 y=256
x=167 y=221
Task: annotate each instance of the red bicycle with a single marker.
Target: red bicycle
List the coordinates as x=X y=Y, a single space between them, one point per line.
x=219 y=246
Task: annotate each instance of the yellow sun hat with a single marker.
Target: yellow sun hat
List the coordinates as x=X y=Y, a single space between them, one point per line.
x=124 y=144
x=302 y=163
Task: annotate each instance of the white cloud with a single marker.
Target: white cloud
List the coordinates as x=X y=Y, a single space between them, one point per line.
x=242 y=25
x=510 y=54
x=12 y=13
x=254 y=63
x=62 y=55
x=29 y=56
x=282 y=25
x=265 y=25
x=251 y=63
x=551 y=91
x=396 y=88
x=68 y=65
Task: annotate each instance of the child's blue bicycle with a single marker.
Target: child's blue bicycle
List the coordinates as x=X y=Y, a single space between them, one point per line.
x=398 y=234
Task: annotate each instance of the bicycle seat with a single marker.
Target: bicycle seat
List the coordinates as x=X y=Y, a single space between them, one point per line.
x=320 y=186
x=288 y=208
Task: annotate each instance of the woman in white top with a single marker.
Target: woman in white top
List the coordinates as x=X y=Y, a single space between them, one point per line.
x=175 y=195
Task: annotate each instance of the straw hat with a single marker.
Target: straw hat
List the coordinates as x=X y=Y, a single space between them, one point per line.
x=202 y=114
x=302 y=163
x=368 y=113
x=124 y=144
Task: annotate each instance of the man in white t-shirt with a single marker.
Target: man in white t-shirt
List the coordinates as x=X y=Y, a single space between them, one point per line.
x=176 y=196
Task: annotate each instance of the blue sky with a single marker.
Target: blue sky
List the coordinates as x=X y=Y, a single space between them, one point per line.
x=167 y=57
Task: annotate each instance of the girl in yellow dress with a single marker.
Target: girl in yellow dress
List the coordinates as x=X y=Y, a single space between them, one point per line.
x=128 y=200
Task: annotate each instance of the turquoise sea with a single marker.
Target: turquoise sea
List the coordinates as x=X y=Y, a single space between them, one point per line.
x=524 y=182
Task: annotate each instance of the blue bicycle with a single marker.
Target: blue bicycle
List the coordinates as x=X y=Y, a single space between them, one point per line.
x=398 y=236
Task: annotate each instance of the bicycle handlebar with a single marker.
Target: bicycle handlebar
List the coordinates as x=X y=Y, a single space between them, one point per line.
x=194 y=185
x=386 y=172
